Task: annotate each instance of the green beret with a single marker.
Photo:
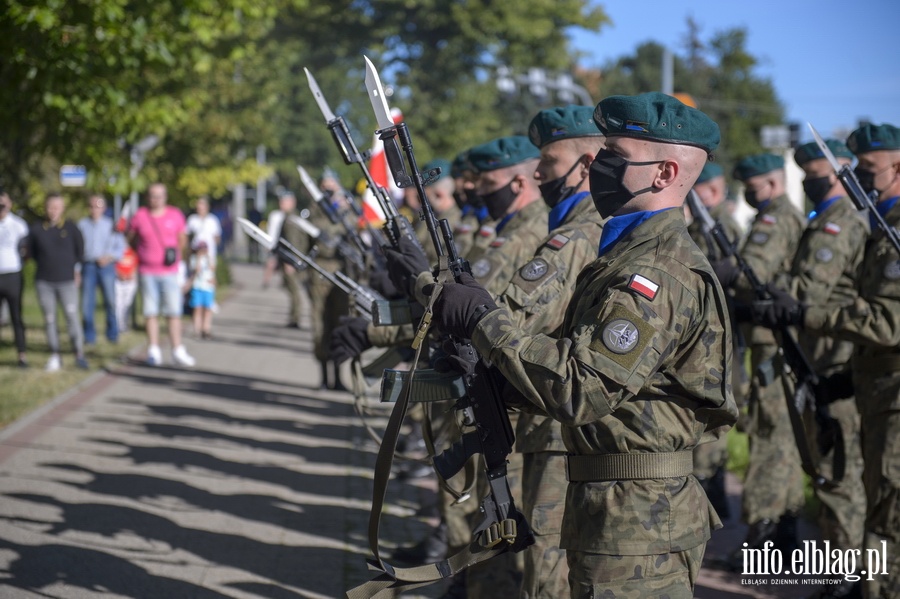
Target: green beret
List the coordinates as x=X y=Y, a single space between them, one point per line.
x=655 y=116
x=872 y=138
x=811 y=151
x=711 y=170
x=461 y=164
x=503 y=152
x=444 y=165
x=759 y=164
x=562 y=122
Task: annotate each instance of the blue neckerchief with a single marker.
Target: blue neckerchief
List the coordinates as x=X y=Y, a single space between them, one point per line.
x=763 y=205
x=619 y=226
x=883 y=208
x=482 y=214
x=467 y=209
x=559 y=212
x=823 y=206
x=503 y=221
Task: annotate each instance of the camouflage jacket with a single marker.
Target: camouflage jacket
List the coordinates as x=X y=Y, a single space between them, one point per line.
x=872 y=319
x=537 y=297
x=494 y=266
x=706 y=244
x=769 y=250
x=464 y=232
x=824 y=273
x=642 y=365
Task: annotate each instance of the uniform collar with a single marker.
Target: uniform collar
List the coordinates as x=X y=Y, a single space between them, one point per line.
x=560 y=212
x=618 y=227
x=823 y=206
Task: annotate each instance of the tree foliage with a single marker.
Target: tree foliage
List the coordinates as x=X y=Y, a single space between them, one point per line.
x=719 y=73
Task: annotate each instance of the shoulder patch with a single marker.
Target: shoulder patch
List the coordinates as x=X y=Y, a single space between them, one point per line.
x=832 y=228
x=486 y=231
x=534 y=270
x=622 y=337
x=481 y=268
x=498 y=242
x=824 y=255
x=759 y=237
x=769 y=219
x=892 y=270
x=643 y=286
x=558 y=241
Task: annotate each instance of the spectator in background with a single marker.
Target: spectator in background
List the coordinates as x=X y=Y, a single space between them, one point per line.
x=13 y=236
x=158 y=235
x=204 y=226
x=203 y=288
x=126 y=286
x=223 y=213
x=58 y=248
x=103 y=247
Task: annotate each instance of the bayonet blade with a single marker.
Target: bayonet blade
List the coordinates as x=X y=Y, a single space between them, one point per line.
x=310 y=185
x=258 y=235
x=320 y=99
x=825 y=149
x=377 y=97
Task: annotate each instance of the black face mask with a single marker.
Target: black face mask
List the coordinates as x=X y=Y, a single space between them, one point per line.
x=866 y=179
x=817 y=188
x=607 y=189
x=752 y=198
x=498 y=202
x=556 y=190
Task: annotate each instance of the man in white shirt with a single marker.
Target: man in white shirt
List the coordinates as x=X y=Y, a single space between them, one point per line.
x=13 y=231
x=205 y=226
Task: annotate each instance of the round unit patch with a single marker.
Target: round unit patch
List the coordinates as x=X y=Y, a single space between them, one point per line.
x=534 y=270
x=824 y=255
x=892 y=270
x=620 y=336
x=481 y=268
x=759 y=238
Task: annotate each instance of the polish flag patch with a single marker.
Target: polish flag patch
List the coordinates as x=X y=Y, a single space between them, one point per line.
x=486 y=231
x=644 y=286
x=464 y=228
x=832 y=228
x=557 y=242
x=769 y=219
x=498 y=242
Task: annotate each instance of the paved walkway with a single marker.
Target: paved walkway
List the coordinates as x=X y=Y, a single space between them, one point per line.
x=238 y=478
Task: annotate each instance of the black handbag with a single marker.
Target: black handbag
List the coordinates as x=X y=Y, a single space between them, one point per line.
x=171 y=253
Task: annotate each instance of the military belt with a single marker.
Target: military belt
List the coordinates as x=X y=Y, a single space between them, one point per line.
x=629 y=466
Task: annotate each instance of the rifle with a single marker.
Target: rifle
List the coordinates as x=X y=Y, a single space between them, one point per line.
x=396 y=225
x=502 y=527
x=362 y=297
x=795 y=359
x=355 y=252
x=863 y=201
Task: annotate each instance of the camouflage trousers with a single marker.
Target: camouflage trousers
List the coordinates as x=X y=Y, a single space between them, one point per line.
x=295 y=294
x=500 y=576
x=670 y=575
x=543 y=503
x=878 y=399
x=773 y=485
x=328 y=305
x=842 y=510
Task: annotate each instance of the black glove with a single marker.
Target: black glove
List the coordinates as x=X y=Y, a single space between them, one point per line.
x=349 y=339
x=461 y=305
x=380 y=281
x=405 y=263
x=834 y=387
x=781 y=310
x=726 y=271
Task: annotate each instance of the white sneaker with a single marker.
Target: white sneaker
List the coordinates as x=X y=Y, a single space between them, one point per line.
x=154 y=356
x=53 y=364
x=182 y=358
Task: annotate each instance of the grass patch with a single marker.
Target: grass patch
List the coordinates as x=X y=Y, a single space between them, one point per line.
x=23 y=390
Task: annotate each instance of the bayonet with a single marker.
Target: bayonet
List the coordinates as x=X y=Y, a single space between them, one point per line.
x=320 y=99
x=377 y=96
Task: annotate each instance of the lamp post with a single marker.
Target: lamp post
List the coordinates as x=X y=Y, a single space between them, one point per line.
x=539 y=83
x=138 y=153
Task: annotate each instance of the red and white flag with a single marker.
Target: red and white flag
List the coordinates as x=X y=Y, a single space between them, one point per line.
x=381 y=174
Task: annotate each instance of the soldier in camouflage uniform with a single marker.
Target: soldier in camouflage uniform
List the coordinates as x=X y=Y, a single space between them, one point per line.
x=871 y=320
x=291 y=277
x=472 y=210
x=773 y=486
x=536 y=299
x=639 y=373
x=710 y=458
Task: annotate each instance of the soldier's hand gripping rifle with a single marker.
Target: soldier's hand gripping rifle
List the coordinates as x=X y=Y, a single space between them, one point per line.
x=794 y=357
x=362 y=297
x=503 y=527
x=396 y=225
x=857 y=194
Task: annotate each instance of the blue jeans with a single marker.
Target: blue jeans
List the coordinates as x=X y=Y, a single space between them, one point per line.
x=93 y=276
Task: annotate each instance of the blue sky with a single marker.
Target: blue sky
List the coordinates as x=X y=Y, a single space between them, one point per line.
x=831 y=62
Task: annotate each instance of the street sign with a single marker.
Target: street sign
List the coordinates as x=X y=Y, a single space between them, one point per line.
x=774 y=137
x=72 y=175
